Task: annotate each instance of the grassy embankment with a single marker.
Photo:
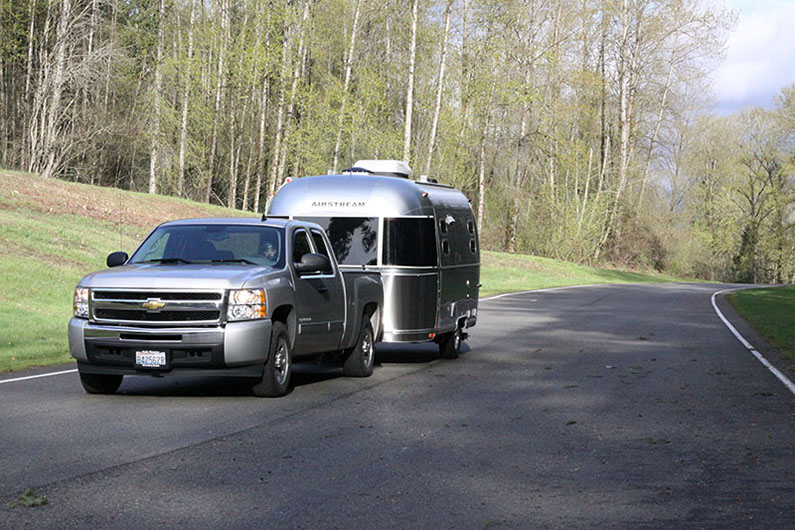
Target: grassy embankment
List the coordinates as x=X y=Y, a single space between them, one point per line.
x=53 y=232
x=771 y=312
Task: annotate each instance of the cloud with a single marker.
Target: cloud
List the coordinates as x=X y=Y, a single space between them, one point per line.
x=760 y=57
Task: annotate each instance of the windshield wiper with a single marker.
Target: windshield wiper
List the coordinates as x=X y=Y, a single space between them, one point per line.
x=167 y=260
x=234 y=260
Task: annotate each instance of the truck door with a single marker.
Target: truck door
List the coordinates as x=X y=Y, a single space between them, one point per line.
x=320 y=303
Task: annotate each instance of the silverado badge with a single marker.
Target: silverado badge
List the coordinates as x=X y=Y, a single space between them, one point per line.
x=153 y=304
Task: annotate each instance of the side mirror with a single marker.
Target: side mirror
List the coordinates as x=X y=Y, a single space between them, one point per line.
x=312 y=263
x=117 y=258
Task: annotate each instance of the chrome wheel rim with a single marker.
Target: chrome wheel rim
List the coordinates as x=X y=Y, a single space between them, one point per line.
x=281 y=362
x=457 y=340
x=367 y=349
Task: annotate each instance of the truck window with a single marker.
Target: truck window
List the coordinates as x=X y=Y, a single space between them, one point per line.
x=409 y=241
x=300 y=245
x=321 y=248
x=214 y=243
x=354 y=240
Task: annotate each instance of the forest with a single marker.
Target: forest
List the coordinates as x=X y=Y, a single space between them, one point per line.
x=581 y=130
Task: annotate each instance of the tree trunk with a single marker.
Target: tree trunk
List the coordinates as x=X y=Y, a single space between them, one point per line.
x=219 y=93
x=346 y=84
x=277 y=140
x=439 y=89
x=263 y=111
x=301 y=57
x=657 y=126
x=482 y=156
x=183 y=130
x=31 y=36
x=153 y=160
x=410 y=87
x=54 y=115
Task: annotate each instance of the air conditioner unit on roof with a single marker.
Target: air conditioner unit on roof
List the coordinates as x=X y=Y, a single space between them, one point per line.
x=390 y=168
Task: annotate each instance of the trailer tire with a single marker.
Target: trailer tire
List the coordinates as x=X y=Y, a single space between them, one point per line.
x=100 y=383
x=450 y=345
x=362 y=356
x=275 y=380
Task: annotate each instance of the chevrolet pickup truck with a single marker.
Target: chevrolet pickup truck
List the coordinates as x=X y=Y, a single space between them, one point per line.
x=225 y=297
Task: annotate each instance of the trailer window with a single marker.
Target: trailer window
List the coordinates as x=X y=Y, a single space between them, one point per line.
x=354 y=240
x=409 y=241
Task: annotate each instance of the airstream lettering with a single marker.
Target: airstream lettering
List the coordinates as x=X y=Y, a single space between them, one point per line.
x=419 y=234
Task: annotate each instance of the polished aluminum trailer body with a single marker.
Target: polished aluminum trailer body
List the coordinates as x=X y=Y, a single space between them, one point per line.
x=420 y=235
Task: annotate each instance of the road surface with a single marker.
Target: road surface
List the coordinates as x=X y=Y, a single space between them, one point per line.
x=604 y=406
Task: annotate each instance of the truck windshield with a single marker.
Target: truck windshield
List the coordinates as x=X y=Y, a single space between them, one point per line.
x=353 y=239
x=213 y=243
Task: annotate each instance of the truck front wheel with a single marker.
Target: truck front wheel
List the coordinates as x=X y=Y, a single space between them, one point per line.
x=360 y=360
x=100 y=383
x=276 y=377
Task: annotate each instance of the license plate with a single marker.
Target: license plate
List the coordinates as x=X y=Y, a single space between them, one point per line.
x=150 y=359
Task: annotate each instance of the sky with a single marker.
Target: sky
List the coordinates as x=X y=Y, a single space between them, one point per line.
x=760 y=55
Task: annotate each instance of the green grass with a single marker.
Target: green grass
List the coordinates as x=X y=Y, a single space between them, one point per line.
x=771 y=312
x=504 y=273
x=53 y=232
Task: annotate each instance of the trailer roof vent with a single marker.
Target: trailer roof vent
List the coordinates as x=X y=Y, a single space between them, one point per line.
x=387 y=168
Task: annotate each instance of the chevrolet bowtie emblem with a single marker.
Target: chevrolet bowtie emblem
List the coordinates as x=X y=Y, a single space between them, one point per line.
x=153 y=304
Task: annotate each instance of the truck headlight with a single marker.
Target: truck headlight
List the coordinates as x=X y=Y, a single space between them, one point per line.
x=81 y=302
x=246 y=304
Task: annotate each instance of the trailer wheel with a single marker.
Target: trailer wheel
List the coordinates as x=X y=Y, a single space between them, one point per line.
x=100 y=383
x=450 y=345
x=275 y=380
x=361 y=358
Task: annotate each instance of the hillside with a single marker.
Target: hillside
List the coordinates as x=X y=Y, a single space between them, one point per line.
x=52 y=232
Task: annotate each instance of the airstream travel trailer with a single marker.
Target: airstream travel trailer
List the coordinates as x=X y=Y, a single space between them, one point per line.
x=419 y=234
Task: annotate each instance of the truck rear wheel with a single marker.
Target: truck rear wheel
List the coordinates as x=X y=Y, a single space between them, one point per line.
x=100 y=383
x=450 y=345
x=361 y=358
x=275 y=380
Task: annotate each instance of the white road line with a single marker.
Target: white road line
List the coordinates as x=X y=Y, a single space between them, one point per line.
x=496 y=296
x=37 y=376
x=775 y=371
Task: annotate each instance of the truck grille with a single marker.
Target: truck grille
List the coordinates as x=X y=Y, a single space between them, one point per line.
x=127 y=306
x=161 y=316
x=162 y=295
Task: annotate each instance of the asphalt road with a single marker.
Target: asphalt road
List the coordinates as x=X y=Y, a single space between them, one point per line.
x=608 y=406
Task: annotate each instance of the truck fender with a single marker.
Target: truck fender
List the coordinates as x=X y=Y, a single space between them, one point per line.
x=286 y=316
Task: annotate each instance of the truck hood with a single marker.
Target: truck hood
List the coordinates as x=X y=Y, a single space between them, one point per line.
x=177 y=276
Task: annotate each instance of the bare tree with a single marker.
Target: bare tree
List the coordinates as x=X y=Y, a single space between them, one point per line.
x=439 y=88
x=410 y=84
x=346 y=84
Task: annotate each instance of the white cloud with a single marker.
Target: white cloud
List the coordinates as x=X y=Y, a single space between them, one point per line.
x=760 y=58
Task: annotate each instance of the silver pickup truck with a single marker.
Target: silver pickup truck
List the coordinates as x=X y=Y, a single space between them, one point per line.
x=225 y=297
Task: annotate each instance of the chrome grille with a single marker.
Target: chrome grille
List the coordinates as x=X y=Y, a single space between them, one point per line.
x=162 y=295
x=159 y=316
x=127 y=306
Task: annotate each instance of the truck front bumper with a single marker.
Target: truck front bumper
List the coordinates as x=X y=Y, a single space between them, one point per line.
x=238 y=348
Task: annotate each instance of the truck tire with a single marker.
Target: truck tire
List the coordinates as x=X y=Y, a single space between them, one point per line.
x=275 y=380
x=362 y=356
x=100 y=383
x=450 y=345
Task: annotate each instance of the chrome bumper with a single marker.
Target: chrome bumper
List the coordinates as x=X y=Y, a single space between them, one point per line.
x=235 y=344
